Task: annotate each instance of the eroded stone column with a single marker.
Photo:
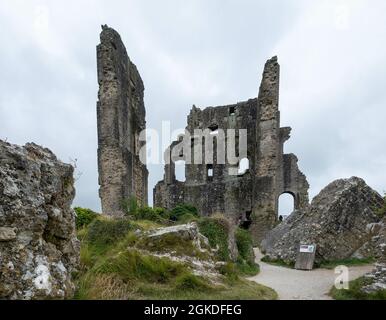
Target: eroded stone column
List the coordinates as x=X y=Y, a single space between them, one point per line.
x=121 y=118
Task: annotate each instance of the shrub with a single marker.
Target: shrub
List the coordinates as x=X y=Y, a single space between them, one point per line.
x=189 y=281
x=188 y=217
x=183 y=210
x=130 y=206
x=246 y=260
x=147 y=213
x=106 y=232
x=245 y=246
x=216 y=230
x=84 y=217
x=230 y=271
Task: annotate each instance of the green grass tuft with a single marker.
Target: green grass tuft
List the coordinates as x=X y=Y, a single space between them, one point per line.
x=105 y=232
x=278 y=262
x=189 y=281
x=84 y=217
x=246 y=260
x=354 y=292
x=345 y=262
x=216 y=230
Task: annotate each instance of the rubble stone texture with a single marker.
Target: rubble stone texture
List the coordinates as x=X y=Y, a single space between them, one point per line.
x=250 y=199
x=337 y=222
x=121 y=118
x=38 y=245
x=376 y=248
x=377 y=279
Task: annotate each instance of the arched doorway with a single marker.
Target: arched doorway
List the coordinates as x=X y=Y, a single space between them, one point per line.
x=286 y=205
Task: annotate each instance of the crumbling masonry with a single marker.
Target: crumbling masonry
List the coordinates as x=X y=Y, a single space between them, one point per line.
x=249 y=199
x=121 y=118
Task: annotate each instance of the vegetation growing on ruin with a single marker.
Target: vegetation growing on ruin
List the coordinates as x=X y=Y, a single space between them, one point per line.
x=246 y=260
x=115 y=266
x=354 y=292
x=183 y=213
x=84 y=217
x=216 y=229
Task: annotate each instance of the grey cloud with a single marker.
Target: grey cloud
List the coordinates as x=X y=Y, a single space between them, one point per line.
x=203 y=53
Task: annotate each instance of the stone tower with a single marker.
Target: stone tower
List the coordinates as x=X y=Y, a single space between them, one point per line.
x=121 y=118
x=250 y=198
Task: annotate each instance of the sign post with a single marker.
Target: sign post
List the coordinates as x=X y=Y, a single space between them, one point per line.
x=306 y=257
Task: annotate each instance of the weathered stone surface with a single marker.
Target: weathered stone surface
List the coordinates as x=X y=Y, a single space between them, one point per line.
x=7 y=234
x=376 y=246
x=121 y=118
x=250 y=199
x=377 y=279
x=187 y=232
x=336 y=222
x=205 y=266
x=38 y=244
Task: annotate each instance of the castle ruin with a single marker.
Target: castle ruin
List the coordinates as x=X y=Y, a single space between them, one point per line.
x=121 y=117
x=250 y=198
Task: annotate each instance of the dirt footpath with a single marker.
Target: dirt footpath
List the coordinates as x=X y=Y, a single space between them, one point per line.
x=293 y=284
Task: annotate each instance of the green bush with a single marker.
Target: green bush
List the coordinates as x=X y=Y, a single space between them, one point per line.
x=130 y=206
x=181 y=211
x=151 y=214
x=245 y=245
x=189 y=281
x=230 y=271
x=103 y=232
x=216 y=230
x=246 y=260
x=84 y=217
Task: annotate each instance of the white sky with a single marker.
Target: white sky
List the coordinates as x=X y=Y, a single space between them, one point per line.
x=333 y=71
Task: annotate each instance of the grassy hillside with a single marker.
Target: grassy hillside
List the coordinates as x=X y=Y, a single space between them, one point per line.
x=117 y=263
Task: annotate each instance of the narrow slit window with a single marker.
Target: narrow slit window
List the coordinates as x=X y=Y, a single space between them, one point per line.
x=210 y=172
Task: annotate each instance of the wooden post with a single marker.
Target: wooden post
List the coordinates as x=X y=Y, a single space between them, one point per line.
x=306 y=257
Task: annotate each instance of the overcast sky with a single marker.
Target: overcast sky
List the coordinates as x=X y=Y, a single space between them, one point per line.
x=333 y=75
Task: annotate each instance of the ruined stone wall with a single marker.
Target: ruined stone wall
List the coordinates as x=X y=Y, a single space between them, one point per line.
x=121 y=118
x=249 y=199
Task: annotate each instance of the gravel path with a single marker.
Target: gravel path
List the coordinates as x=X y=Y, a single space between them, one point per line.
x=293 y=284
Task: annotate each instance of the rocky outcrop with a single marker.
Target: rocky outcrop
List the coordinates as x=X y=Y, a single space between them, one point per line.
x=376 y=246
x=377 y=279
x=38 y=245
x=337 y=222
x=184 y=244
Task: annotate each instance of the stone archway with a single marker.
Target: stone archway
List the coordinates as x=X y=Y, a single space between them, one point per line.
x=287 y=203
